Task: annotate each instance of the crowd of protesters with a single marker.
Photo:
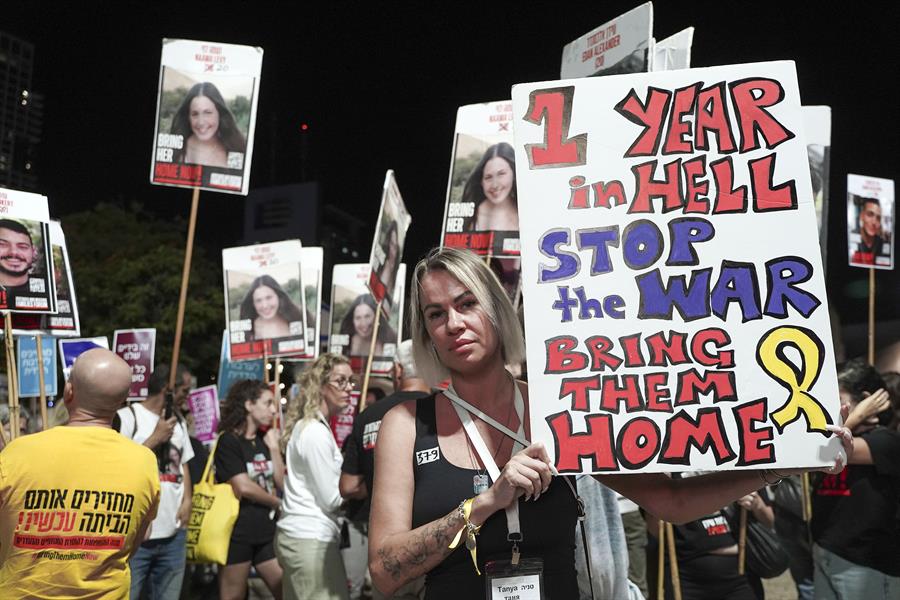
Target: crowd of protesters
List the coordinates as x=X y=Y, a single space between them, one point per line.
x=315 y=521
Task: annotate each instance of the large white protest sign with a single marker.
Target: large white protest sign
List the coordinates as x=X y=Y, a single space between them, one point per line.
x=27 y=282
x=623 y=45
x=674 y=52
x=205 y=115
x=353 y=311
x=675 y=308
x=264 y=300
x=387 y=246
x=870 y=221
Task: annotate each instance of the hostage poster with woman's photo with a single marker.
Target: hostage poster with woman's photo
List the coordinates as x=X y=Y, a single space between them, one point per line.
x=353 y=312
x=265 y=305
x=675 y=309
x=27 y=282
x=387 y=247
x=205 y=115
x=481 y=212
x=63 y=323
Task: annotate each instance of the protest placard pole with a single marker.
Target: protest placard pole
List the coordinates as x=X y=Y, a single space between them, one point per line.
x=661 y=560
x=871 y=354
x=365 y=385
x=673 y=561
x=185 y=276
x=807 y=500
x=278 y=378
x=42 y=392
x=266 y=378
x=11 y=377
x=742 y=542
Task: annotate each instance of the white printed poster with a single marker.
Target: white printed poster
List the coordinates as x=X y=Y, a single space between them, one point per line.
x=387 y=247
x=674 y=52
x=353 y=311
x=675 y=308
x=870 y=221
x=312 y=265
x=623 y=45
x=817 y=130
x=265 y=305
x=205 y=115
x=27 y=281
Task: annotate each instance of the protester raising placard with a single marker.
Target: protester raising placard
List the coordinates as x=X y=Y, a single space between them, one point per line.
x=65 y=322
x=623 y=45
x=675 y=307
x=353 y=311
x=205 y=115
x=137 y=347
x=870 y=221
x=387 y=247
x=26 y=271
x=264 y=300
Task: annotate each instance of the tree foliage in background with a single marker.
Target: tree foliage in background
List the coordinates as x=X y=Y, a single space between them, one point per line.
x=127 y=270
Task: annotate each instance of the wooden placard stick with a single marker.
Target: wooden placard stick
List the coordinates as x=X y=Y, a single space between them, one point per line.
x=661 y=561
x=369 y=359
x=673 y=561
x=42 y=397
x=12 y=377
x=871 y=353
x=807 y=499
x=742 y=543
x=185 y=277
x=267 y=379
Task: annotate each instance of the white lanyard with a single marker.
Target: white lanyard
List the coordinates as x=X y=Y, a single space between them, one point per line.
x=463 y=409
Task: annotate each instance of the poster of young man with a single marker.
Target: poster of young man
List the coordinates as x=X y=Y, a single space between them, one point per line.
x=674 y=52
x=26 y=271
x=71 y=349
x=481 y=212
x=205 y=115
x=675 y=308
x=353 y=319
x=137 y=347
x=27 y=362
x=870 y=221
x=312 y=261
x=264 y=300
x=65 y=322
x=232 y=372
x=387 y=247
x=623 y=45
x=817 y=131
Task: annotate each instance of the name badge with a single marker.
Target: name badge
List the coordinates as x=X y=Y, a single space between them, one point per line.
x=505 y=581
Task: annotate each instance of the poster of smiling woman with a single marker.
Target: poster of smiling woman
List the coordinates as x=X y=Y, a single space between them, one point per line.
x=264 y=300
x=205 y=115
x=26 y=271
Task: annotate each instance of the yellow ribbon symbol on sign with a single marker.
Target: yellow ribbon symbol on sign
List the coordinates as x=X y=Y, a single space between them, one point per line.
x=797 y=380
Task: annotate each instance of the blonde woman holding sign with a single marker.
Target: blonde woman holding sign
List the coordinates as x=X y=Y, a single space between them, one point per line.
x=456 y=486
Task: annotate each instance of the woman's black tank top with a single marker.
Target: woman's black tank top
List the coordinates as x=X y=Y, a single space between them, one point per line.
x=548 y=525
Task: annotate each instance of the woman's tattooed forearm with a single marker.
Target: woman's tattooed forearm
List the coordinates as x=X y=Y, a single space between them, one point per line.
x=432 y=540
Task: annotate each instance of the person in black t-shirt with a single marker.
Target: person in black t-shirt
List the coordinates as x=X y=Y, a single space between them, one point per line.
x=251 y=463
x=358 y=469
x=854 y=524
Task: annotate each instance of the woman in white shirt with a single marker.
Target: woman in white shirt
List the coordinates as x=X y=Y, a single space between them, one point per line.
x=308 y=533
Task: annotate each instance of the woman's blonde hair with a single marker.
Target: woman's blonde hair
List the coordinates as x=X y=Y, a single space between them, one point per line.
x=472 y=272
x=308 y=401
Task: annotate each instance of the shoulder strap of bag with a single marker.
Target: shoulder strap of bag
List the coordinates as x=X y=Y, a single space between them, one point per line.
x=209 y=462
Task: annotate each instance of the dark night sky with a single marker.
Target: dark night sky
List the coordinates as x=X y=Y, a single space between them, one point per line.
x=379 y=84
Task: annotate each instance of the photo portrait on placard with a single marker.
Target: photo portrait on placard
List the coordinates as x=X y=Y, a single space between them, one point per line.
x=265 y=311
x=26 y=273
x=205 y=115
x=870 y=222
x=353 y=311
x=387 y=248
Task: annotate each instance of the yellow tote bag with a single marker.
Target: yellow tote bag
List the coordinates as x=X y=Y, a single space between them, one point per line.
x=214 y=509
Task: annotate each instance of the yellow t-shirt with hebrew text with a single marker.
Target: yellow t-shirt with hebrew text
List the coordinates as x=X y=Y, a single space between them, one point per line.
x=72 y=500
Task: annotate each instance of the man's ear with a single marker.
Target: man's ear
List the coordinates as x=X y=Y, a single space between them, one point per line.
x=68 y=393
